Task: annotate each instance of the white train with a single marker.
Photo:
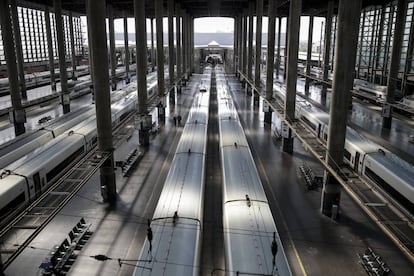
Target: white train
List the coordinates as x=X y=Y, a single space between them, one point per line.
x=21 y=145
x=41 y=78
x=177 y=222
x=379 y=91
x=375 y=163
x=26 y=178
x=250 y=233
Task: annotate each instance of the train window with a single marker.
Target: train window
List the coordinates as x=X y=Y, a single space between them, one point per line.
x=59 y=168
x=347 y=155
x=390 y=190
x=325 y=137
x=13 y=205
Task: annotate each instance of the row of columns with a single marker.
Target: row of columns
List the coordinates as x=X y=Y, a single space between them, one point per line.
x=11 y=36
x=346 y=40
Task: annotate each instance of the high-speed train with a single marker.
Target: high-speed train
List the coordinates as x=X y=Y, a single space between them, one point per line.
x=41 y=78
x=23 y=144
x=251 y=240
x=174 y=244
x=375 y=163
x=26 y=178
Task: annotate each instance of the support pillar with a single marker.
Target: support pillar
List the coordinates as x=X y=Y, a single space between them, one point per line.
x=90 y=57
x=153 y=59
x=344 y=66
x=17 y=114
x=258 y=62
x=295 y=11
x=327 y=50
x=279 y=30
x=235 y=41
x=141 y=61
x=309 y=55
x=50 y=49
x=285 y=57
x=239 y=44
x=179 y=43
x=171 y=47
x=270 y=59
x=62 y=57
x=244 y=47
x=126 y=46
x=191 y=45
x=72 y=46
x=96 y=13
x=112 y=46
x=184 y=41
x=250 y=54
x=19 y=51
x=160 y=59
x=394 y=63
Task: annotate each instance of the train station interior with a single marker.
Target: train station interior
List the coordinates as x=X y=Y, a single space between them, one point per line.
x=206 y=137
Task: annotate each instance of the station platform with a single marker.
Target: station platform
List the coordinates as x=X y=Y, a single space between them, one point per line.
x=314 y=244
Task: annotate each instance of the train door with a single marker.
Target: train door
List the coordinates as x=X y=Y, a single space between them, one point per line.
x=37 y=185
x=357 y=155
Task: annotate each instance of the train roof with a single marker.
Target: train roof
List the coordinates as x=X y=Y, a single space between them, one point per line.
x=363 y=144
x=250 y=243
x=240 y=176
x=193 y=139
x=393 y=163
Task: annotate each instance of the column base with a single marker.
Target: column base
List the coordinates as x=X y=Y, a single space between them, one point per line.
x=161 y=114
x=268 y=117
x=143 y=138
x=108 y=183
x=386 y=122
x=331 y=195
x=287 y=144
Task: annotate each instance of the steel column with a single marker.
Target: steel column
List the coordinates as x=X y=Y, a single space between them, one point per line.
x=126 y=45
x=295 y=10
x=179 y=43
x=160 y=59
x=395 y=62
x=171 y=43
x=327 y=49
x=270 y=58
x=344 y=66
x=258 y=62
x=62 y=56
x=309 y=55
x=250 y=54
x=72 y=46
x=112 y=46
x=97 y=14
x=19 y=51
x=17 y=114
x=50 y=49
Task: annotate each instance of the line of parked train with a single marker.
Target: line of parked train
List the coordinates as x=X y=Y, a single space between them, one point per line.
x=36 y=79
x=252 y=243
x=174 y=235
x=375 y=163
x=173 y=243
x=32 y=162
